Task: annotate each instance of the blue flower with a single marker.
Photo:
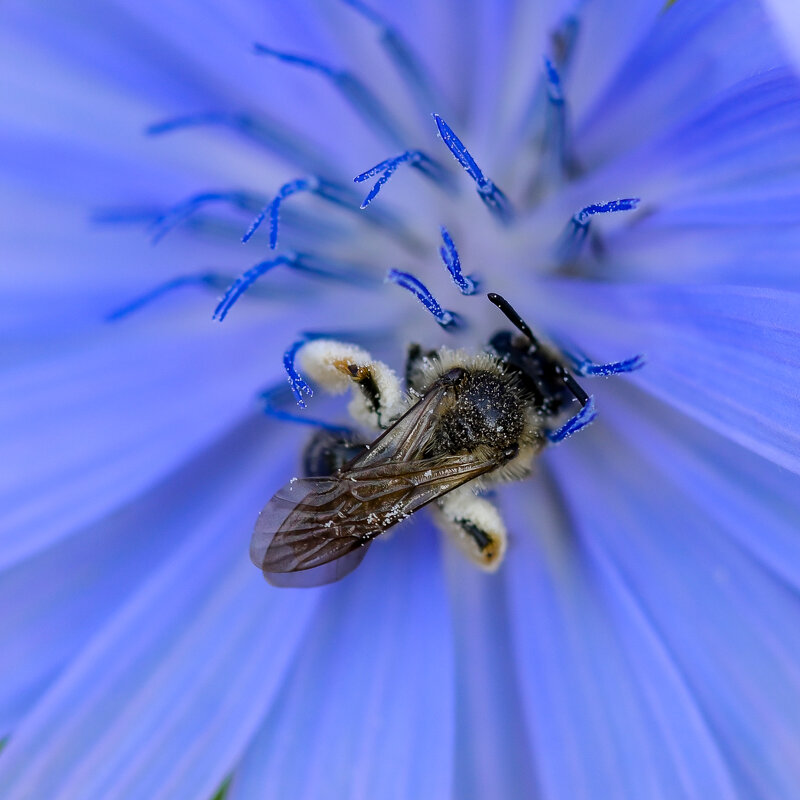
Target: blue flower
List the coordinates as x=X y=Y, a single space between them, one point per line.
x=630 y=181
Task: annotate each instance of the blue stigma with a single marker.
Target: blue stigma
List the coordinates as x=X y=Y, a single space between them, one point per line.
x=207 y=279
x=447 y=319
x=246 y=280
x=584 y=417
x=287 y=190
x=276 y=396
x=544 y=125
x=571 y=241
x=555 y=93
x=408 y=66
x=266 y=132
x=466 y=284
x=173 y=216
x=298 y=386
x=581 y=219
x=491 y=196
x=414 y=158
x=360 y=98
x=317 y=266
x=587 y=369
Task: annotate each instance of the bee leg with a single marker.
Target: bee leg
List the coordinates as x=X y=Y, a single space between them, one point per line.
x=328 y=451
x=475 y=525
x=378 y=398
x=415 y=359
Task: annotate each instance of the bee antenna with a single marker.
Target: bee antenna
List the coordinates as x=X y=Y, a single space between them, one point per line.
x=519 y=323
x=514 y=318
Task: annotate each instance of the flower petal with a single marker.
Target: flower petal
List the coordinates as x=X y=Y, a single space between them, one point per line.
x=726 y=356
x=609 y=712
x=787 y=23
x=753 y=500
x=110 y=429
x=493 y=748
x=167 y=670
x=368 y=709
x=62 y=595
x=728 y=624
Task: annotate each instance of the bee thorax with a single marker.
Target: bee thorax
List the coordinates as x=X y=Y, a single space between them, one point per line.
x=488 y=412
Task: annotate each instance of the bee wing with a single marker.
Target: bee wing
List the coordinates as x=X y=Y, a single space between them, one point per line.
x=288 y=534
x=317 y=530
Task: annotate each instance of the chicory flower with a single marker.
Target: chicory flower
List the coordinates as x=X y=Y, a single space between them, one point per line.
x=638 y=186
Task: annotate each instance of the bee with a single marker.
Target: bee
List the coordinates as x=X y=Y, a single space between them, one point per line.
x=466 y=423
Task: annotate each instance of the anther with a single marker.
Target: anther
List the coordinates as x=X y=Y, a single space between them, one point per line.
x=245 y=280
x=585 y=367
x=316 y=266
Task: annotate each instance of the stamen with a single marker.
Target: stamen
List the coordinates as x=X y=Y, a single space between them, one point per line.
x=276 y=137
x=563 y=40
x=585 y=367
x=557 y=161
x=414 y=158
x=581 y=219
x=554 y=91
x=208 y=279
x=365 y=103
x=275 y=396
x=555 y=142
x=586 y=415
x=404 y=59
x=466 y=284
x=491 y=196
x=447 y=319
x=126 y=216
x=578 y=227
x=245 y=280
x=317 y=266
x=166 y=221
x=287 y=190
x=298 y=386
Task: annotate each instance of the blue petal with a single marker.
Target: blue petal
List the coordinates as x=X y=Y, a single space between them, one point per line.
x=719 y=191
x=726 y=356
x=788 y=26
x=728 y=624
x=753 y=500
x=63 y=595
x=493 y=746
x=677 y=67
x=368 y=711
x=607 y=707
x=111 y=429
x=164 y=699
